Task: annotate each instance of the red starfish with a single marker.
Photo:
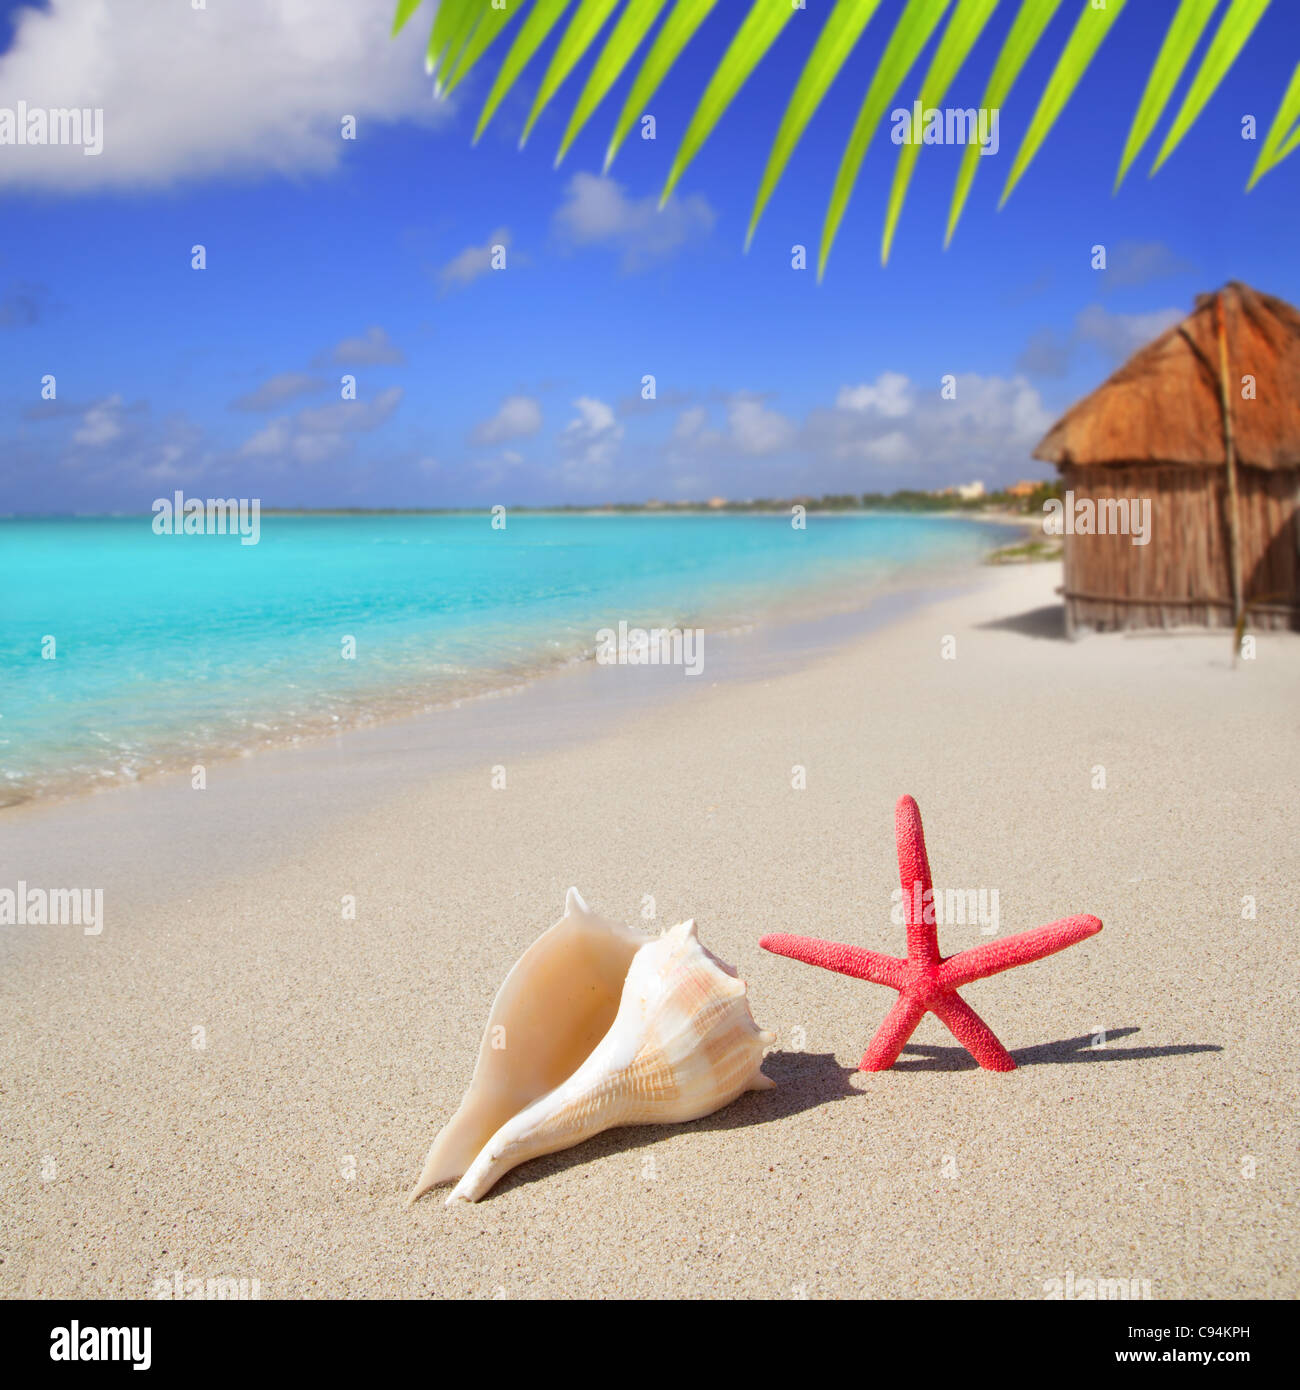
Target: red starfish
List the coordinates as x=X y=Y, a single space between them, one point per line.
x=926 y=981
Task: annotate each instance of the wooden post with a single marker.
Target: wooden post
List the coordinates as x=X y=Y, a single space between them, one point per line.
x=1230 y=461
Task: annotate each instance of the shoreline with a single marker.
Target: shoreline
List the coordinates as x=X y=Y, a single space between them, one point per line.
x=335 y=777
x=785 y=614
x=237 y=1071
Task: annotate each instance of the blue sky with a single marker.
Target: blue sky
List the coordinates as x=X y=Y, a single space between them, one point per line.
x=328 y=258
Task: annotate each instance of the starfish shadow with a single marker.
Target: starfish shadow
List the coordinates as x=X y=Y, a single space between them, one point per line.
x=1081 y=1049
x=803 y=1080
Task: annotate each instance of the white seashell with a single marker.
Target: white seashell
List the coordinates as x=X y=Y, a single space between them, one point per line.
x=604 y=1026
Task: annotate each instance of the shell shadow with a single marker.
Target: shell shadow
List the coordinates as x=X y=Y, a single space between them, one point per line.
x=927 y=1058
x=803 y=1080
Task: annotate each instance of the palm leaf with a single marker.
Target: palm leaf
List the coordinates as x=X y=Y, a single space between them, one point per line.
x=1184 y=34
x=448 y=18
x=837 y=40
x=755 y=36
x=1273 y=151
x=633 y=25
x=453 y=46
x=1237 y=26
x=964 y=28
x=1091 y=27
x=578 y=38
x=679 y=28
x=463 y=30
x=1288 y=147
x=542 y=18
x=917 y=22
x=489 y=26
x=1033 y=18
x=405 y=9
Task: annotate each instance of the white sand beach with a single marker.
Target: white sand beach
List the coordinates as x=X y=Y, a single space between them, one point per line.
x=234 y=1081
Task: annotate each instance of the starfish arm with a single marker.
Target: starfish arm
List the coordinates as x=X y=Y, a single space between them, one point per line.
x=899 y=1025
x=973 y=1033
x=1010 y=951
x=833 y=955
x=914 y=879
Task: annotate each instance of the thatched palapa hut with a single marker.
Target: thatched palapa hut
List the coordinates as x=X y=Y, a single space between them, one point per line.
x=1204 y=423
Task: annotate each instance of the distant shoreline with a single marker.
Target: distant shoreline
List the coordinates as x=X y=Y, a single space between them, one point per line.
x=449 y=663
x=996 y=507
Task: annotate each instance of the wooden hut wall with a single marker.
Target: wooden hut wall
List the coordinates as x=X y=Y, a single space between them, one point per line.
x=1182 y=576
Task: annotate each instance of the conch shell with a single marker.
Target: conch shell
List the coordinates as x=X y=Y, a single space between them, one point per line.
x=597 y=1025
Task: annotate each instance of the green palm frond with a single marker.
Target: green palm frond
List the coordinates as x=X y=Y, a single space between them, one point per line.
x=438 y=61
x=464 y=30
x=1237 y=26
x=754 y=37
x=635 y=23
x=1091 y=27
x=679 y=28
x=1277 y=145
x=915 y=25
x=450 y=19
x=1184 y=34
x=578 y=38
x=837 y=40
x=488 y=27
x=542 y=18
x=964 y=29
x=1033 y=18
x=405 y=9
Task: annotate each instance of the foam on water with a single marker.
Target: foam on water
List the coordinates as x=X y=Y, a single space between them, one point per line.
x=173 y=649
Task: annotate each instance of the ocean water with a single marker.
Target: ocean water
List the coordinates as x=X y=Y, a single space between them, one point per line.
x=167 y=650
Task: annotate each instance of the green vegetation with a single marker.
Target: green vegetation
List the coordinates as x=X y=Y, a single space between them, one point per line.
x=1028 y=552
x=904 y=500
x=464 y=30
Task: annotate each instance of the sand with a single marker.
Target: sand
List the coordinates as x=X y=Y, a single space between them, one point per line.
x=232 y=1081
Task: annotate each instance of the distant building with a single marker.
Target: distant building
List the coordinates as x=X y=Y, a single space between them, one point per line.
x=1024 y=488
x=716 y=502
x=970 y=492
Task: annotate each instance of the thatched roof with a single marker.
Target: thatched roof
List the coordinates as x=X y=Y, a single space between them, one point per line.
x=1162 y=406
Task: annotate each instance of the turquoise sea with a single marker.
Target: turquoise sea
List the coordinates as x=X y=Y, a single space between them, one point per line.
x=165 y=650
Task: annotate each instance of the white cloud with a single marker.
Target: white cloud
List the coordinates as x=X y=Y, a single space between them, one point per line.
x=757 y=430
x=340 y=417
x=589 y=443
x=473 y=261
x=597 y=212
x=278 y=389
x=890 y=450
x=992 y=423
x=890 y=396
x=321 y=433
x=270 y=441
x=101 y=424
x=1138 y=262
x=876 y=435
x=518 y=418
x=241 y=86
x=373 y=349
x=1120 y=335
x=690 y=422
x=1051 y=353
